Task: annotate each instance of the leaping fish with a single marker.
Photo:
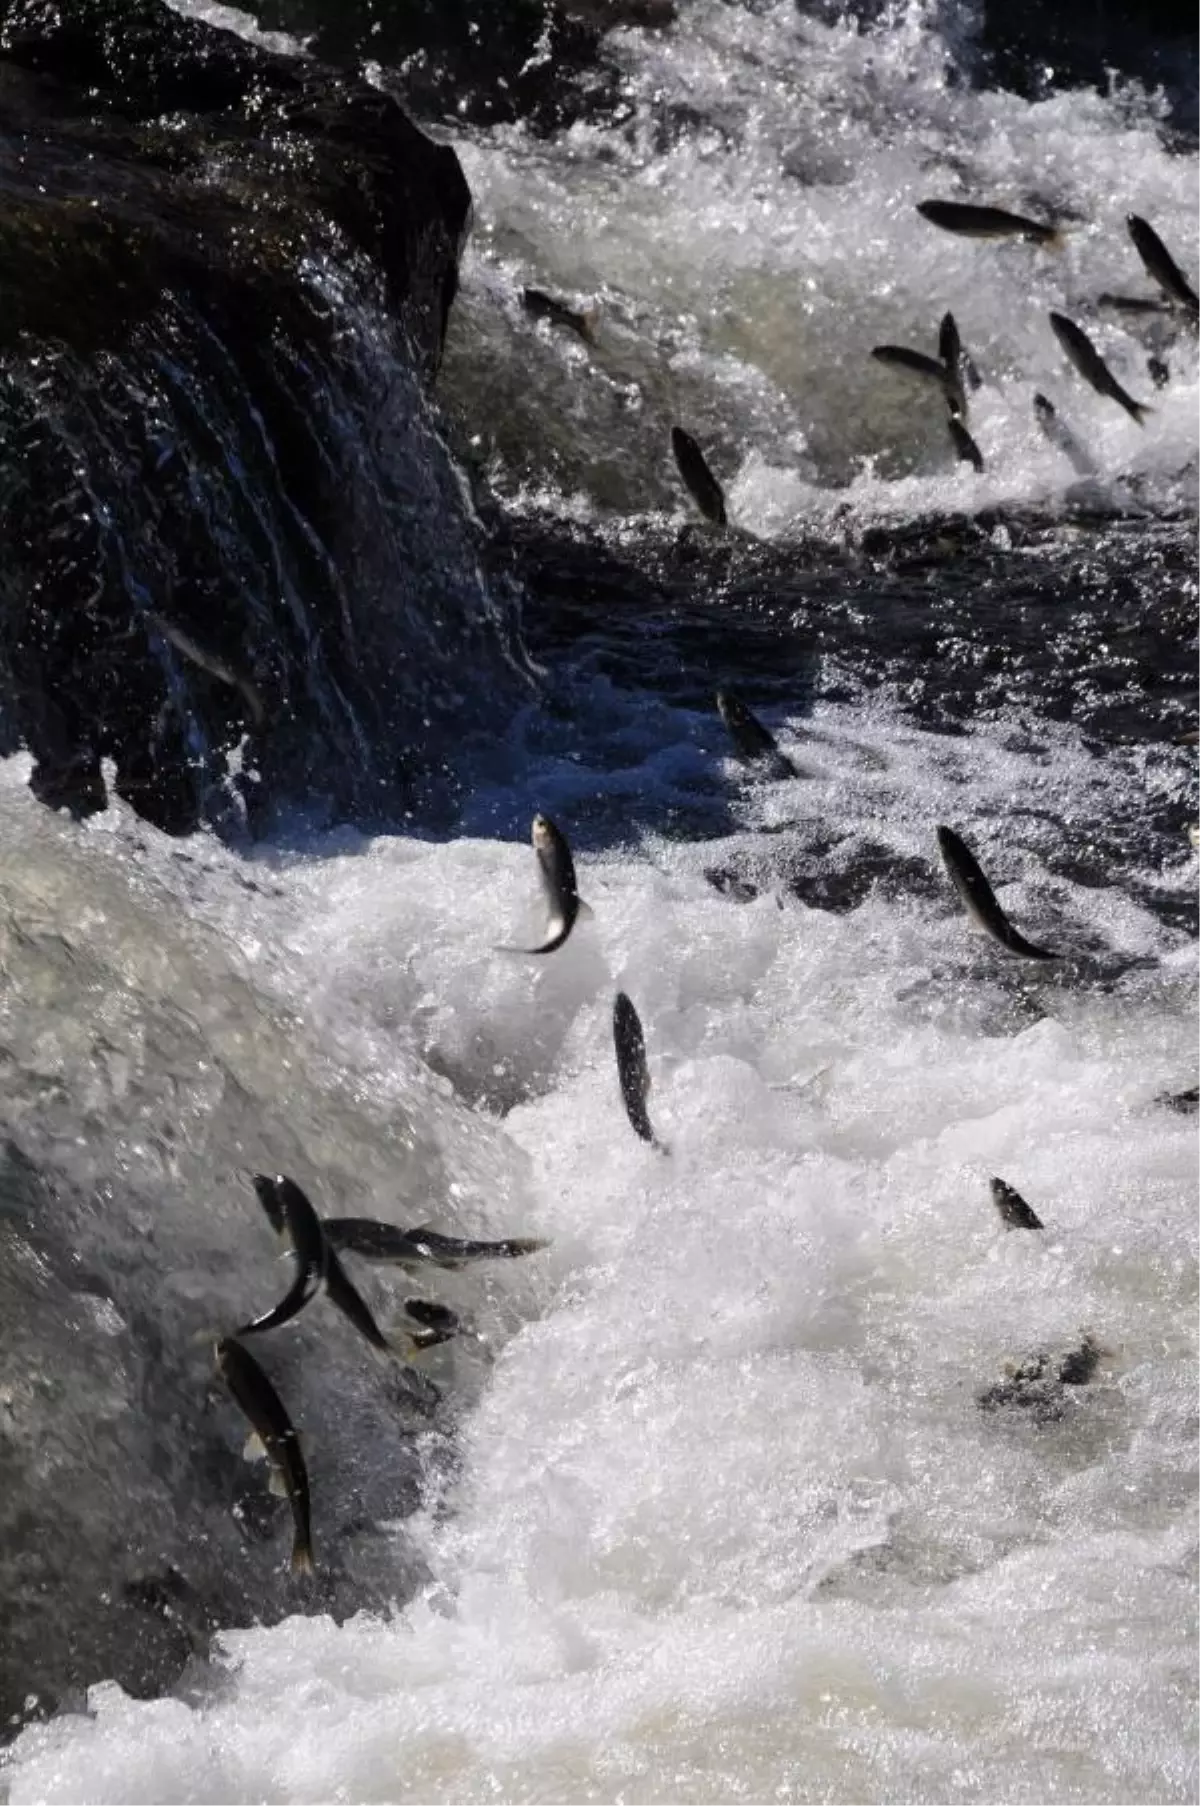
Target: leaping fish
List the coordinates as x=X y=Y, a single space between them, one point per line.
x=702 y=486
x=1132 y=304
x=541 y=306
x=415 y=1248
x=285 y=1203
x=968 y=221
x=1161 y=267
x=556 y=868
x=632 y=1068
x=954 y=355
x=1092 y=367
x=294 y=1217
x=979 y=899
x=207 y=660
x=257 y=1398
x=756 y=745
x=1062 y=438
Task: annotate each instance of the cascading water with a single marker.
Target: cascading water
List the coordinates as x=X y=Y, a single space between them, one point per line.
x=748 y=232
x=735 y=1502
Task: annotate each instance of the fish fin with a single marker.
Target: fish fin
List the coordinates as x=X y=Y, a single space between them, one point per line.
x=254 y=1448
x=585 y=910
x=277 y=1484
x=302 y=1560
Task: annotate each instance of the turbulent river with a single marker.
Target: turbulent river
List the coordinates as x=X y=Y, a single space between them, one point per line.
x=724 y=1517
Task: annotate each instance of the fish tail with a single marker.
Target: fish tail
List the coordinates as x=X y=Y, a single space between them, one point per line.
x=1054 y=240
x=1139 y=410
x=589 y=318
x=302 y=1557
x=516 y=1246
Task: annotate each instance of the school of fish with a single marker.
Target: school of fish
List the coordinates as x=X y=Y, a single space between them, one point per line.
x=952 y=373
x=318 y=1244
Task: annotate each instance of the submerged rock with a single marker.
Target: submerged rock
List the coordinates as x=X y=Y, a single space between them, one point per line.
x=1036 y=1387
x=228 y=275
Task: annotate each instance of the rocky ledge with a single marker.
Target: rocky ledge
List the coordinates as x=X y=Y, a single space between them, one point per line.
x=226 y=510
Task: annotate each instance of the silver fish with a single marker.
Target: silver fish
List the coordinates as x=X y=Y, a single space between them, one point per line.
x=955 y=358
x=1161 y=267
x=755 y=743
x=1062 y=438
x=258 y=1400
x=541 y=306
x=1092 y=367
x=968 y=221
x=979 y=899
x=1015 y=1213
x=414 y=1248
x=702 y=486
x=1132 y=304
x=292 y=1215
x=345 y=1295
x=557 y=871
x=209 y=661
x=283 y=1201
x=632 y=1069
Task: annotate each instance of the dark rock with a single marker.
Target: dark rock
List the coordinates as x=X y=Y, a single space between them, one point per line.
x=228 y=276
x=1035 y=1387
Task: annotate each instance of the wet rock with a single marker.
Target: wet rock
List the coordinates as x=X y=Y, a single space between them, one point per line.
x=228 y=275
x=143 y=1081
x=1036 y=1387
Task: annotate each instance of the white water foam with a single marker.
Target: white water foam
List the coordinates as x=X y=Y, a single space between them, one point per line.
x=748 y=231
x=730 y=1522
